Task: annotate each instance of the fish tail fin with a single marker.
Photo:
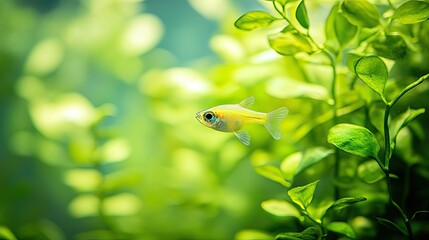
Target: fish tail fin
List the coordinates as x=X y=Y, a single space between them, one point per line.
x=274 y=119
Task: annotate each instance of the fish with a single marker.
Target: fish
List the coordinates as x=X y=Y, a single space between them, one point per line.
x=233 y=117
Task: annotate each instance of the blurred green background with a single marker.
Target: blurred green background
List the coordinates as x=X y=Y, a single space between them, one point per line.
x=98 y=134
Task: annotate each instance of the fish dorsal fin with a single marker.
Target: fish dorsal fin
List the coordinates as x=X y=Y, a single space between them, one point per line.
x=247 y=102
x=243 y=136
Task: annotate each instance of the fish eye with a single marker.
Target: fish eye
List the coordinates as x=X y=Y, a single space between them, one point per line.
x=209 y=116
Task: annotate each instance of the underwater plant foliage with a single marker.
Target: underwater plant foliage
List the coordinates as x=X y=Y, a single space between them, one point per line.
x=99 y=138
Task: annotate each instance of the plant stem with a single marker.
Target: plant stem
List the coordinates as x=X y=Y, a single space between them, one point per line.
x=405 y=219
x=319 y=224
x=387 y=145
x=388 y=151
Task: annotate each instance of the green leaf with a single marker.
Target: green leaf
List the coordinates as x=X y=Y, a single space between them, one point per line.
x=391 y=225
x=361 y=13
x=253 y=235
x=402 y=121
x=373 y=73
x=280 y=208
x=344 y=202
x=412 y=12
x=312 y=156
x=253 y=20
x=302 y=15
x=310 y=233
x=289 y=43
x=272 y=173
x=391 y=46
x=344 y=30
x=342 y=228
x=331 y=38
x=354 y=139
x=6 y=234
x=370 y=172
x=303 y=195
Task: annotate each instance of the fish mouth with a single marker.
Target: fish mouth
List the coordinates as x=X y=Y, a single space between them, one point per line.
x=198 y=115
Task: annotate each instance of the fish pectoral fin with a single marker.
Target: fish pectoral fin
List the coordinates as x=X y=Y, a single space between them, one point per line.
x=247 y=102
x=243 y=136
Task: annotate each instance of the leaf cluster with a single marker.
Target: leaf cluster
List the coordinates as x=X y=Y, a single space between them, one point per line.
x=362 y=42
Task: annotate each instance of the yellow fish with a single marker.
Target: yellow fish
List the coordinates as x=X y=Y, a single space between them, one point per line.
x=232 y=117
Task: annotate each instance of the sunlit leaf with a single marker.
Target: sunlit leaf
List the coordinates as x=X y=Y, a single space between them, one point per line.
x=290 y=164
x=289 y=43
x=412 y=12
x=344 y=30
x=62 y=116
x=302 y=15
x=361 y=13
x=312 y=156
x=303 y=195
x=373 y=73
x=331 y=37
x=282 y=2
x=370 y=172
x=253 y=20
x=391 y=46
x=342 y=228
x=354 y=139
x=142 y=34
x=253 y=235
x=115 y=150
x=280 y=208
x=310 y=233
x=393 y=226
x=6 y=234
x=272 y=173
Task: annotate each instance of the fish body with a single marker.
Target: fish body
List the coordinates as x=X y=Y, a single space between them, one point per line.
x=233 y=117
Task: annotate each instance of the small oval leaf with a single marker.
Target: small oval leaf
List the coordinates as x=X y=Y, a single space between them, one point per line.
x=289 y=43
x=272 y=173
x=303 y=195
x=310 y=233
x=354 y=139
x=361 y=13
x=373 y=73
x=345 y=202
x=280 y=208
x=412 y=12
x=370 y=172
x=312 y=156
x=253 y=20
x=391 y=46
x=302 y=15
x=344 y=30
x=342 y=228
